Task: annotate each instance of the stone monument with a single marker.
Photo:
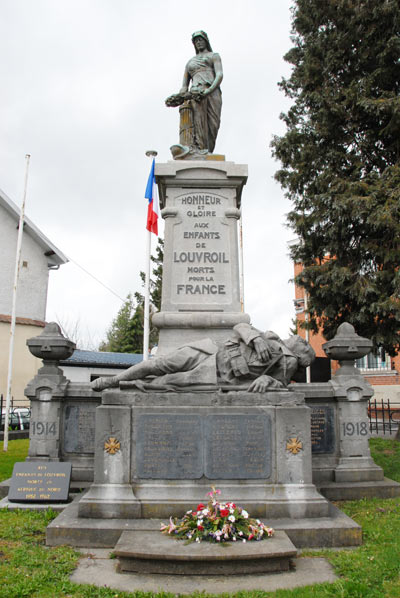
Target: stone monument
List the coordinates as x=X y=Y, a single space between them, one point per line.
x=215 y=407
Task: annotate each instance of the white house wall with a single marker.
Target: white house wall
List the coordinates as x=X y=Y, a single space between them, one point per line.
x=82 y=374
x=25 y=365
x=33 y=281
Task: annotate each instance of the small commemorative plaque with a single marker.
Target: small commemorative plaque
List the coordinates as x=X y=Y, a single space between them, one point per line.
x=40 y=481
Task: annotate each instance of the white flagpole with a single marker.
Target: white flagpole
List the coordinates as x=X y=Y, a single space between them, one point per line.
x=14 y=307
x=146 y=319
x=146 y=316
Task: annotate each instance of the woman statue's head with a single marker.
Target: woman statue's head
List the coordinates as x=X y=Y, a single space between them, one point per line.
x=202 y=35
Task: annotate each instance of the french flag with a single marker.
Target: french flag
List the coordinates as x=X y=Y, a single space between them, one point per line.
x=153 y=209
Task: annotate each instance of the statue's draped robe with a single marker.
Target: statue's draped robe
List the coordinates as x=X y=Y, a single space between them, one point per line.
x=207 y=112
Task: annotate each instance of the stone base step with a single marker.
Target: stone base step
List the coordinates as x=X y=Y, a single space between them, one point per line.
x=152 y=552
x=385 y=488
x=335 y=530
x=97 y=569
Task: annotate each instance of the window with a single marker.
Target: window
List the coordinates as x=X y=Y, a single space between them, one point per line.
x=377 y=360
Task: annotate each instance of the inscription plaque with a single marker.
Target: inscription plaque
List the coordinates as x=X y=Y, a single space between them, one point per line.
x=238 y=446
x=40 y=482
x=169 y=446
x=79 y=428
x=322 y=429
x=201 y=253
x=189 y=446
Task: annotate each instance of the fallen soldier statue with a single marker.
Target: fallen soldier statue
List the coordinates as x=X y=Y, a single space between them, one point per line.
x=253 y=360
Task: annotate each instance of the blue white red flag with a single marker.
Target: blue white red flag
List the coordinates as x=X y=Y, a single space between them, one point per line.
x=153 y=209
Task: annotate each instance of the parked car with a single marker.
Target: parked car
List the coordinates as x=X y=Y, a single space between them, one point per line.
x=19 y=419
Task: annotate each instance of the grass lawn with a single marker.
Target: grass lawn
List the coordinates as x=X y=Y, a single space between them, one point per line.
x=29 y=569
x=17 y=451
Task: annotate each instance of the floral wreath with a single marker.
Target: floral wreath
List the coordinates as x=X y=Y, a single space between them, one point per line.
x=216 y=522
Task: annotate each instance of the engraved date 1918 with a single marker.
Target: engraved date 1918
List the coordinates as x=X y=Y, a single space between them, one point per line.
x=355 y=429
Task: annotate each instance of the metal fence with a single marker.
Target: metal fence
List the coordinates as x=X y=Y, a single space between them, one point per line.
x=20 y=414
x=384 y=416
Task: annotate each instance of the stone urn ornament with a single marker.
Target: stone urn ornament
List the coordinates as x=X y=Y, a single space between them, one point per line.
x=346 y=347
x=51 y=346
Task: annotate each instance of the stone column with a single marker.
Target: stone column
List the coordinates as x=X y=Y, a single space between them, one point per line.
x=46 y=392
x=352 y=393
x=111 y=495
x=293 y=462
x=200 y=202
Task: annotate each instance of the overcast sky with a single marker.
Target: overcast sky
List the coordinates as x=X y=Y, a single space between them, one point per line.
x=83 y=90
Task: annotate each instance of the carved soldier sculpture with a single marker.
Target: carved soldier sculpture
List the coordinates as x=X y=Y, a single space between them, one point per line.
x=200 y=107
x=253 y=360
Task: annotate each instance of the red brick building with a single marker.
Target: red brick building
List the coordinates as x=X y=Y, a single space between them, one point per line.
x=381 y=370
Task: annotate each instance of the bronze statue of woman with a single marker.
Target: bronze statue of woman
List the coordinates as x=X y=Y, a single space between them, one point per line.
x=200 y=106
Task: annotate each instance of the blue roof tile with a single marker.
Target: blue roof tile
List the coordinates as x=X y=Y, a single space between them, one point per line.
x=102 y=358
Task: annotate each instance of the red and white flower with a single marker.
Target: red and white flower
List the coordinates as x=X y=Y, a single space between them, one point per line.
x=217 y=522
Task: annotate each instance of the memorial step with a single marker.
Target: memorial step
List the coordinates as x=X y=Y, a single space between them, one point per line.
x=153 y=552
x=68 y=528
x=385 y=488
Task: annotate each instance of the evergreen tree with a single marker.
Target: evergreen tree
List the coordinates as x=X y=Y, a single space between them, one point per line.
x=156 y=279
x=340 y=163
x=125 y=334
x=119 y=334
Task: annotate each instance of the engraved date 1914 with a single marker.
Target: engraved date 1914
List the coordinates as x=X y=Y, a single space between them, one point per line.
x=47 y=428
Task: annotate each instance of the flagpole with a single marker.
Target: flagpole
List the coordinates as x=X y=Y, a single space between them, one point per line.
x=146 y=316
x=308 y=369
x=14 y=307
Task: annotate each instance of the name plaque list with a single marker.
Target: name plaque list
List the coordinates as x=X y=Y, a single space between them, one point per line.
x=238 y=446
x=79 y=428
x=169 y=447
x=322 y=429
x=189 y=446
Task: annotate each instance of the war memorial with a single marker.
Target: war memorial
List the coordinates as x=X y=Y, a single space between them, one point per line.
x=217 y=406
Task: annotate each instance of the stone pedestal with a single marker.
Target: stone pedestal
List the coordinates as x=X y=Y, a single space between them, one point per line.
x=352 y=393
x=355 y=462
x=169 y=448
x=200 y=203
x=46 y=392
